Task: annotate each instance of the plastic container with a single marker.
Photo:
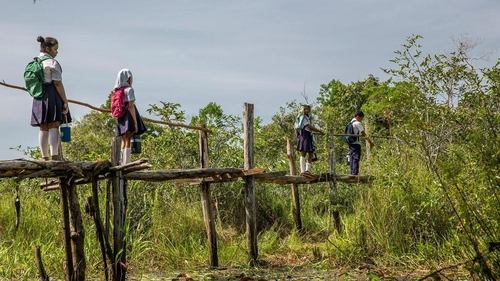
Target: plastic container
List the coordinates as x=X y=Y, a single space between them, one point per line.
x=136 y=144
x=65 y=130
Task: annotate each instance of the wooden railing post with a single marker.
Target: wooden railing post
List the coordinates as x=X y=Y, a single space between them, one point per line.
x=119 y=187
x=77 y=233
x=368 y=149
x=207 y=204
x=333 y=184
x=66 y=229
x=250 y=209
x=106 y=251
x=295 y=190
x=42 y=274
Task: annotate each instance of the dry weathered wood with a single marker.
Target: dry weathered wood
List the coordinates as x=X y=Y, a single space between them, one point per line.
x=213 y=175
x=66 y=229
x=119 y=211
x=295 y=190
x=334 y=200
x=17 y=205
x=140 y=167
x=22 y=168
x=128 y=165
x=368 y=148
x=39 y=264
x=173 y=124
x=107 y=214
x=189 y=176
x=253 y=171
x=103 y=110
x=53 y=185
x=164 y=175
x=214 y=179
x=250 y=207
x=77 y=233
x=323 y=177
x=207 y=204
x=106 y=251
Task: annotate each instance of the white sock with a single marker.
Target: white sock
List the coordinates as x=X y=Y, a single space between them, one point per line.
x=302 y=164
x=54 y=141
x=43 y=140
x=308 y=167
x=122 y=155
x=126 y=155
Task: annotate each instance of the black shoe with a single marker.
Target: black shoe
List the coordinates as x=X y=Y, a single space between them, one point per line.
x=56 y=158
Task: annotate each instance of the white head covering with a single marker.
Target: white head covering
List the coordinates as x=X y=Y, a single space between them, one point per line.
x=122 y=78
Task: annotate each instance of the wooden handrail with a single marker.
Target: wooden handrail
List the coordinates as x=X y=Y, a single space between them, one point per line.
x=104 y=110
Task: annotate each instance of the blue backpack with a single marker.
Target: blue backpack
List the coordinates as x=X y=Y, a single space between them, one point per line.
x=349 y=130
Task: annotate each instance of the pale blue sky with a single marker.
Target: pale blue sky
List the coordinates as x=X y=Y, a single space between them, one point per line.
x=229 y=52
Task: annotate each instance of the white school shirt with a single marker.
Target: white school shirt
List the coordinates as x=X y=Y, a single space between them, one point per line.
x=306 y=121
x=129 y=94
x=51 y=69
x=358 y=128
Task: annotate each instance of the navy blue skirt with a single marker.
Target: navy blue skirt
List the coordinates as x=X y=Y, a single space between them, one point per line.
x=48 y=108
x=126 y=124
x=305 y=141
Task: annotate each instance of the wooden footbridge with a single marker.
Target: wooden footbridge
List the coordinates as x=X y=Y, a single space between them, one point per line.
x=112 y=242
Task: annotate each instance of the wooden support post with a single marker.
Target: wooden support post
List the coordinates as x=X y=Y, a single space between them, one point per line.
x=39 y=264
x=106 y=251
x=17 y=205
x=77 y=233
x=334 y=200
x=207 y=204
x=66 y=229
x=119 y=187
x=368 y=149
x=107 y=214
x=295 y=190
x=250 y=209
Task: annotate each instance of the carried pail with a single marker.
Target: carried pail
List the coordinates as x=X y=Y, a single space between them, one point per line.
x=136 y=144
x=65 y=130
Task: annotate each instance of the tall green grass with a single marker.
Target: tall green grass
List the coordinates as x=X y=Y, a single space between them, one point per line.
x=399 y=220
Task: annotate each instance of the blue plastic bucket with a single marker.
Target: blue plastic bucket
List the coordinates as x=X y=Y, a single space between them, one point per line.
x=65 y=132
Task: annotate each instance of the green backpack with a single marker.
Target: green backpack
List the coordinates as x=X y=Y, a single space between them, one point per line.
x=33 y=76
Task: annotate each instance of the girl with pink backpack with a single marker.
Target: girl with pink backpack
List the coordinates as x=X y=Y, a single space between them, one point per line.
x=129 y=122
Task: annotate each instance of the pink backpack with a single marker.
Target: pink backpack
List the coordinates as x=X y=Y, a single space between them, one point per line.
x=118 y=107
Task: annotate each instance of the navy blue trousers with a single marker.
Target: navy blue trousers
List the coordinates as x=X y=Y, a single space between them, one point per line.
x=355 y=155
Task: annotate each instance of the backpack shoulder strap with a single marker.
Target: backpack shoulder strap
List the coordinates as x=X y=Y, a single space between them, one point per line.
x=298 y=121
x=42 y=58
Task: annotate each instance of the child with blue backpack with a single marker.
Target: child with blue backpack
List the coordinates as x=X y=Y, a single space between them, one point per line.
x=129 y=122
x=353 y=131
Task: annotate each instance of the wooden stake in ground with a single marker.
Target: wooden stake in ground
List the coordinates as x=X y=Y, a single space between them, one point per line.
x=66 y=229
x=106 y=251
x=77 y=233
x=39 y=264
x=334 y=200
x=207 y=204
x=295 y=189
x=119 y=209
x=250 y=209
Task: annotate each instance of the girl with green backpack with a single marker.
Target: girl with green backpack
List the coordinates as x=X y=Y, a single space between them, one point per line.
x=50 y=105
